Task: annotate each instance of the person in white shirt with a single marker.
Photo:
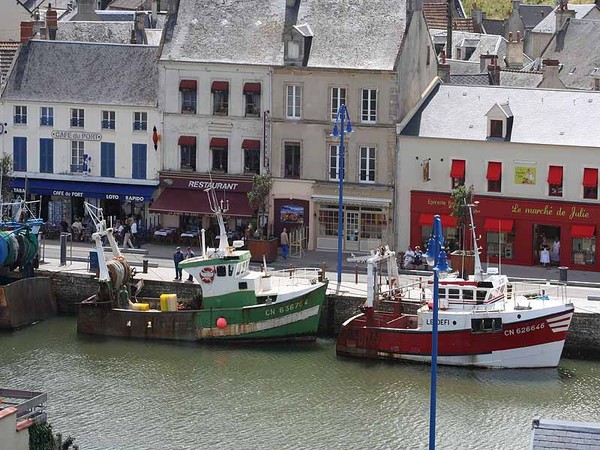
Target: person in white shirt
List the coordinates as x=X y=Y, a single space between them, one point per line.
x=134 y=234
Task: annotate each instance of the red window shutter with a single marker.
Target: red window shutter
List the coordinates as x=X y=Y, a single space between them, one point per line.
x=555 y=175
x=188 y=85
x=219 y=143
x=220 y=86
x=494 y=171
x=590 y=177
x=583 y=231
x=188 y=141
x=252 y=88
x=251 y=144
x=458 y=168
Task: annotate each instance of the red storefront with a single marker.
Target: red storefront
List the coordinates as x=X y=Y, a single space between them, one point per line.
x=516 y=229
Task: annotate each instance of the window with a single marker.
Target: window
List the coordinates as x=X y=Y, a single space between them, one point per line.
x=46 y=155
x=187 y=145
x=368 y=111
x=372 y=223
x=367 y=165
x=291 y=160
x=555 y=181
x=220 y=91
x=487 y=325
x=188 y=89
x=500 y=243
x=496 y=128
x=334 y=162
x=77 y=152
x=140 y=121
x=584 y=250
x=590 y=183
x=293 y=102
x=107 y=159
x=77 y=118
x=251 y=149
x=457 y=173
x=218 y=148
x=328 y=221
x=494 y=176
x=108 y=120
x=46 y=116
x=293 y=50
x=138 y=161
x=338 y=98
x=19 y=154
x=20 y=115
x=252 y=98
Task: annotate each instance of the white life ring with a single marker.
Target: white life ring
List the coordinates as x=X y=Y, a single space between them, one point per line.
x=207 y=274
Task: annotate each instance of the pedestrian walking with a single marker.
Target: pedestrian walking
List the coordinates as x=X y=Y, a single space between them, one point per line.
x=134 y=234
x=177 y=258
x=285 y=244
x=190 y=254
x=127 y=238
x=545 y=256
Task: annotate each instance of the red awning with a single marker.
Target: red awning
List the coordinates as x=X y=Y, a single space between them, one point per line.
x=220 y=86
x=555 y=175
x=458 y=168
x=447 y=221
x=494 y=171
x=252 y=88
x=188 y=141
x=195 y=202
x=583 y=231
x=219 y=143
x=251 y=144
x=501 y=225
x=590 y=177
x=188 y=85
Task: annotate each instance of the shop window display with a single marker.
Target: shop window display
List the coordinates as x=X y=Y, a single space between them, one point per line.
x=450 y=238
x=500 y=242
x=584 y=251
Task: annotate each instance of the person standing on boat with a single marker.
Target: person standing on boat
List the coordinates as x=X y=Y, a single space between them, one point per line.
x=285 y=243
x=177 y=258
x=190 y=254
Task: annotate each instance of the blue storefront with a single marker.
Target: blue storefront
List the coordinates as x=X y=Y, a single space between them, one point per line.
x=65 y=198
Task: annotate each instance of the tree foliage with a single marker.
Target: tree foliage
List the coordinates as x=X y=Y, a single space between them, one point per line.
x=460 y=198
x=258 y=197
x=6 y=166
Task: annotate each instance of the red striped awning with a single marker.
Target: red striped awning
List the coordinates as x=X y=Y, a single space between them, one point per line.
x=583 y=231
x=501 y=225
x=185 y=85
x=251 y=144
x=219 y=143
x=494 y=171
x=447 y=221
x=555 y=175
x=252 y=88
x=220 y=86
x=458 y=168
x=590 y=177
x=187 y=141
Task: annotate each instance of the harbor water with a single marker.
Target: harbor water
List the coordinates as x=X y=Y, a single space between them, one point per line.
x=116 y=394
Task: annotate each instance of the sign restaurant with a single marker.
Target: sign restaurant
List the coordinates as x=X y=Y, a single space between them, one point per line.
x=77 y=135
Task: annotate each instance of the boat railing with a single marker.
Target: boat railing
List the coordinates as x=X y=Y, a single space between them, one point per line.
x=297 y=275
x=537 y=291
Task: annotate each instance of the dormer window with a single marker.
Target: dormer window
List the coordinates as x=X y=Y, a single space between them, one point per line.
x=293 y=50
x=496 y=129
x=298 y=41
x=500 y=119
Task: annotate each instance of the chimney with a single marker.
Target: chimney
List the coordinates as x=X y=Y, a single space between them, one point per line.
x=51 y=22
x=26 y=31
x=514 y=52
x=494 y=72
x=477 y=16
x=154 y=13
x=550 y=77
x=562 y=16
x=140 y=28
x=86 y=11
x=483 y=64
x=444 y=68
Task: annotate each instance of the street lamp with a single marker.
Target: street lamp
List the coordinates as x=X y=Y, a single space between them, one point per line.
x=436 y=257
x=341 y=117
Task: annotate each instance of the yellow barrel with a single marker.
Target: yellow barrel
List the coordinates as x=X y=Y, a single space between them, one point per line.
x=168 y=302
x=140 y=306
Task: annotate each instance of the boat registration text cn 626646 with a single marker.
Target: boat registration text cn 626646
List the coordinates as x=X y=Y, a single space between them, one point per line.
x=523 y=330
x=286 y=308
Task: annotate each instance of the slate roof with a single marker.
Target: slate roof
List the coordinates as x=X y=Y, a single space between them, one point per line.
x=494 y=26
x=516 y=78
x=470 y=79
x=115 y=32
x=8 y=51
x=548 y=25
x=129 y=4
x=552 y=434
x=531 y=15
x=353 y=34
x=74 y=72
x=576 y=48
x=484 y=43
x=458 y=66
x=541 y=116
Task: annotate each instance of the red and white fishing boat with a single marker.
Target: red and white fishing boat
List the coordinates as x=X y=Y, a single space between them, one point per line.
x=482 y=321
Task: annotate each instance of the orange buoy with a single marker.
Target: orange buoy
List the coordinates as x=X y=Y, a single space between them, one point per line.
x=221 y=322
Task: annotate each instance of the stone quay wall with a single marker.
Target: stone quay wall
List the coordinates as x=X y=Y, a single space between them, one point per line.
x=583 y=339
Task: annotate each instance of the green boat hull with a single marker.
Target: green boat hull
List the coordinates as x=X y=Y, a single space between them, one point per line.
x=295 y=319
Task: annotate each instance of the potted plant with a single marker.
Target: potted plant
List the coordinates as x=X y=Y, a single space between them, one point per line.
x=260 y=243
x=463 y=259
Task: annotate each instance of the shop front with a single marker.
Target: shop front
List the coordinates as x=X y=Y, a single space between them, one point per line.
x=185 y=207
x=517 y=231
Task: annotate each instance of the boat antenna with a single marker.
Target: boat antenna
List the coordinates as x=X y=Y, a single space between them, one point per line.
x=478 y=275
x=218 y=207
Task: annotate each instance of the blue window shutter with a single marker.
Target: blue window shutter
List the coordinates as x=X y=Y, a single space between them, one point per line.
x=19 y=153
x=138 y=161
x=47 y=155
x=107 y=159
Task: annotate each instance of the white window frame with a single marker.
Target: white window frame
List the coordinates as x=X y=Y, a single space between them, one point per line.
x=368 y=114
x=77 y=155
x=21 y=112
x=141 y=118
x=333 y=157
x=78 y=114
x=293 y=101
x=370 y=160
x=338 y=98
x=47 y=113
x=108 y=117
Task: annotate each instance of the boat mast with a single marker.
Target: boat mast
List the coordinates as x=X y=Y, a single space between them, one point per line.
x=219 y=207
x=478 y=275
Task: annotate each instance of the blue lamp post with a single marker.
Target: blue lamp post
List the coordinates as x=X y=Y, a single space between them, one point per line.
x=345 y=126
x=436 y=257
